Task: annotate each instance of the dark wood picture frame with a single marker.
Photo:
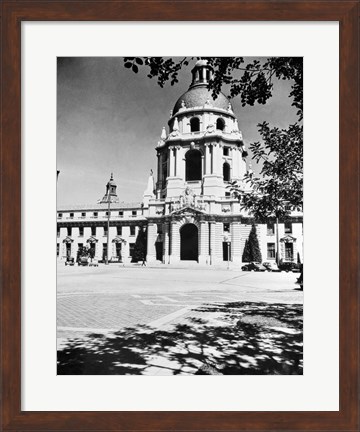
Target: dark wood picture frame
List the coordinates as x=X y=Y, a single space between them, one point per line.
x=13 y=13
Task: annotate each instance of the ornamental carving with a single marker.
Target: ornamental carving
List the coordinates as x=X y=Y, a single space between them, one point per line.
x=187 y=198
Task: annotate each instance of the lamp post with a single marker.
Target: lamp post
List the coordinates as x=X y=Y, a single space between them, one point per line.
x=108 y=226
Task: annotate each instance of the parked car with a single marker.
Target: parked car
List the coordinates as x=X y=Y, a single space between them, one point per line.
x=271 y=266
x=253 y=266
x=290 y=266
x=69 y=261
x=83 y=261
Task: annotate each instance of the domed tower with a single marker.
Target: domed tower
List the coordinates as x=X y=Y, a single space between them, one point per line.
x=204 y=149
x=110 y=193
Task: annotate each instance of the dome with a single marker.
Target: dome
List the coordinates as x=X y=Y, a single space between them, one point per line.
x=197 y=97
x=201 y=63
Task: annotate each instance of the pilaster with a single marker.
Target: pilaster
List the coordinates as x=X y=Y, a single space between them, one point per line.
x=204 y=243
x=236 y=243
x=151 y=240
x=175 y=243
x=166 y=252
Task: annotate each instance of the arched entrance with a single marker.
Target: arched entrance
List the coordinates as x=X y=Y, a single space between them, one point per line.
x=189 y=242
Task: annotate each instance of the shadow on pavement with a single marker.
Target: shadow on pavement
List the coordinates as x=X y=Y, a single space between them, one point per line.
x=242 y=338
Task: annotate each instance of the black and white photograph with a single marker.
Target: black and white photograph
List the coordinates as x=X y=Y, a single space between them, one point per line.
x=179 y=242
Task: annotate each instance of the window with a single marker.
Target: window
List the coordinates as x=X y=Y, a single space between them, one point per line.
x=193 y=165
x=271 y=250
x=134 y=212
x=226 y=172
x=71 y=215
x=95 y=214
x=226 y=227
x=58 y=231
x=270 y=227
x=164 y=173
x=57 y=249
x=288 y=227
x=159 y=228
x=104 y=251
x=132 y=230
x=118 y=250
x=105 y=230
x=121 y=213
x=289 y=254
x=69 y=229
x=93 y=231
x=220 y=124
x=60 y=215
x=119 y=230
x=226 y=151
x=107 y=213
x=195 y=124
x=81 y=231
x=227 y=194
x=83 y=214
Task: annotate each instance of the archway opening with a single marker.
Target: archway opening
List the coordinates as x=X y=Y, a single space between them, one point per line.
x=195 y=124
x=189 y=242
x=193 y=165
x=226 y=172
x=220 y=124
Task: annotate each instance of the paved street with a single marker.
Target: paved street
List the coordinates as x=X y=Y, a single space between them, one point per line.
x=104 y=301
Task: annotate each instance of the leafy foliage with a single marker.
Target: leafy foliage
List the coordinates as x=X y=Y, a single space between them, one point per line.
x=252 y=81
x=279 y=188
x=252 y=251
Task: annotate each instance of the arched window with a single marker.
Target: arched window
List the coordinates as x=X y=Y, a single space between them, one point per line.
x=226 y=171
x=195 y=124
x=220 y=124
x=193 y=165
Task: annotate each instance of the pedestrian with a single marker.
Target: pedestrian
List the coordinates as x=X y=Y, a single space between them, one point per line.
x=144 y=261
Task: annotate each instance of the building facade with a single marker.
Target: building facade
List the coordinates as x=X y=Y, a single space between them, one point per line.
x=188 y=213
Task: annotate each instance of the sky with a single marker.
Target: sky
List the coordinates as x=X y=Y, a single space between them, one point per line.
x=109 y=120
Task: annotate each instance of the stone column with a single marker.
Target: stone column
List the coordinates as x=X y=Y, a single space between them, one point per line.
x=236 y=243
x=204 y=243
x=217 y=241
x=175 y=243
x=171 y=162
x=211 y=240
x=125 y=252
x=207 y=159
x=178 y=172
x=151 y=240
x=159 y=171
x=217 y=160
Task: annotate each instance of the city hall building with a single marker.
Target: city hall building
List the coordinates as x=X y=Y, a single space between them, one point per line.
x=188 y=212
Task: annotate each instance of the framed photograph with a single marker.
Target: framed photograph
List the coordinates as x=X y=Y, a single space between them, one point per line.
x=199 y=161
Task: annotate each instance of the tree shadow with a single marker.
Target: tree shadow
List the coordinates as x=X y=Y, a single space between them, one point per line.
x=239 y=338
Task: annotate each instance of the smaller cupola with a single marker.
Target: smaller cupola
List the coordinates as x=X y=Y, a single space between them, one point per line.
x=110 y=193
x=201 y=73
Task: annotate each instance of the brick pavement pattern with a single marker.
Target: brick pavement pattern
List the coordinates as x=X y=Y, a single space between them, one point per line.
x=110 y=299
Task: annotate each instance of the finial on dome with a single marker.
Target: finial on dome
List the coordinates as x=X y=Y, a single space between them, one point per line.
x=111 y=177
x=163 y=134
x=176 y=125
